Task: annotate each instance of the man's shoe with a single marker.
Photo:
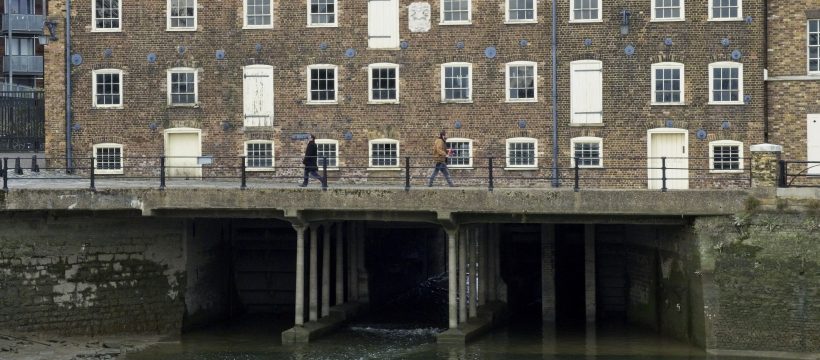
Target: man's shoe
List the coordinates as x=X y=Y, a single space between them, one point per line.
x=302 y=185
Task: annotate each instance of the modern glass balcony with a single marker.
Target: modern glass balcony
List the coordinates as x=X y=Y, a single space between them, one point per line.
x=22 y=24
x=23 y=65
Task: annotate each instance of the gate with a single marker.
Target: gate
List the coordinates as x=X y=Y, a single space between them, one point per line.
x=22 y=121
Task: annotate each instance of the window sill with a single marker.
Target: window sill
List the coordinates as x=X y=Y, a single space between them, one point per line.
x=259 y=169
x=668 y=104
x=321 y=102
x=384 y=169
x=594 y=21
x=586 y=124
x=668 y=20
x=114 y=107
x=512 y=101
x=528 y=168
x=181 y=30
x=725 y=19
x=106 y=30
x=601 y=167
x=384 y=48
x=456 y=101
x=451 y=167
x=183 y=106
x=456 y=23
x=253 y=27
x=374 y=102
x=726 y=103
x=520 y=22
x=107 y=172
x=741 y=171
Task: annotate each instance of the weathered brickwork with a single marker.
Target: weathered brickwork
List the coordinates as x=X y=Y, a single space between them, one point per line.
x=290 y=47
x=91 y=275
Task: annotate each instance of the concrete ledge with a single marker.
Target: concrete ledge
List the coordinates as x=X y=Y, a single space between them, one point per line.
x=488 y=317
x=764 y=354
x=313 y=330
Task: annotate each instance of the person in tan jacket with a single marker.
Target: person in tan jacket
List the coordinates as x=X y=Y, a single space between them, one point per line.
x=440 y=155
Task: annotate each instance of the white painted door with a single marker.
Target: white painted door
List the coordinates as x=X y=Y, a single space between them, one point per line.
x=813 y=143
x=257 y=95
x=672 y=146
x=383 y=24
x=586 y=87
x=181 y=153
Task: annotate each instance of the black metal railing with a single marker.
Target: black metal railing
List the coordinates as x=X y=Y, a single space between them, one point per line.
x=663 y=174
x=22 y=121
x=793 y=173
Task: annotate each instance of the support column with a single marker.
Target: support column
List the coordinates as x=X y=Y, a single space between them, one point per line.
x=313 y=286
x=482 y=265
x=326 y=269
x=340 y=280
x=548 y=273
x=452 y=278
x=364 y=296
x=300 y=275
x=352 y=264
x=589 y=271
x=492 y=268
x=462 y=278
x=473 y=279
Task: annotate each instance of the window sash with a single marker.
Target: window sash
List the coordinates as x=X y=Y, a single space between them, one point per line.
x=183 y=87
x=322 y=12
x=585 y=10
x=107 y=14
x=814 y=45
x=258 y=12
x=521 y=82
x=323 y=84
x=108 y=158
x=384 y=154
x=108 y=89
x=587 y=153
x=725 y=9
x=456 y=82
x=182 y=14
x=383 y=83
x=456 y=10
x=259 y=155
x=726 y=157
x=462 y=153
x=521 y=153
x=725 y=84
x=521 y=10
x=668 y=9
x=329 y=150
x=668 y=85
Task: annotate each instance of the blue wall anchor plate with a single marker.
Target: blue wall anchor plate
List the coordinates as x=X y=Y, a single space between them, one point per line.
x=220 y=54
x=76 y=59
x=701 y=134
x=629 y=50
x=490 y=52
x=351 y=52
x=152 y=58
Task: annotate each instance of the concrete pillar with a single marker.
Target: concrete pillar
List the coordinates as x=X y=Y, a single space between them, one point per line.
x=313 y=309
x=352 y=263
x=340 y=280
x=462 y=278
x=589 y=271
x=473 y=280
x=300 y=275
x=452 y=278
x=364 y=296
x=326 y=269
x=548 y=273
x=482 y=265
x=492 y=269
x=764 y=164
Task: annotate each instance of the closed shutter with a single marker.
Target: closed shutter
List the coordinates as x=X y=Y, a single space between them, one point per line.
x=586 y=86
x=257 y=95
x=813 y=143
x=383 y=24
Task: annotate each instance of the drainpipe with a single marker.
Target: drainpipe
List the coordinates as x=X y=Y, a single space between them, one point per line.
x=766 y=68
x=68 y=150
x=555 y=181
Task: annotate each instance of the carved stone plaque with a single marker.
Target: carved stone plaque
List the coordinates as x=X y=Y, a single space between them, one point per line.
x=419 y=13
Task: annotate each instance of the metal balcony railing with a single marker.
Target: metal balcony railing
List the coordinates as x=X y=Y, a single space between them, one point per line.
x=22 y=24
x=23 y=64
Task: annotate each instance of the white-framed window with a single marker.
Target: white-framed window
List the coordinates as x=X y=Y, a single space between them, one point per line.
x=322 y=13
x=384 y=83
x=668 y=10
x=181 y=15
x=522 y=81
x=585 y=11
x=725 y=156
x=108 y=158
x=586 y=92
x=182 y=87
x=462 y=153
x=522 y=153
x=725 y=10
x=106 y=15
x=258 y=14
x=456 y=82
x=322 y=84
x=384 y=154
x=107 y=88
x=522 y=11
x=813 y=46
x=588 y=150
x=327 y=148
x=257 y=95
x=456 y=12
x=726 y=83
x=667 y=83
x=259 y=155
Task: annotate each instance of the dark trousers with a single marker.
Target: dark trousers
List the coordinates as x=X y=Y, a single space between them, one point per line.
x=442 y=167
x=311 y=173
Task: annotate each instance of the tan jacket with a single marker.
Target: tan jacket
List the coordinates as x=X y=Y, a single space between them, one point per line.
x=439 y=151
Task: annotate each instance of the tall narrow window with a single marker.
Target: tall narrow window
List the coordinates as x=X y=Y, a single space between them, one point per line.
x=107 y=88
x=257 y=95
x=521 y=11
x=814 y=46
x=108 y=159
x=522 y=153
x=384 y=83
x=258 y=14
x=587 y=152
x=321 y=12
x=456 y=12
x=586 y=88
x=107 y=15
x=327 y=149
x=726 y=83
x=725 y=156
x=456 y=82
x=521 y=81
x=667 y=83
x=181 y=15
x=461 y=153
x=384 y=153
x=585 y=11
x=182 y=87
x=322 y=84
x=259 y=155
x=725 y=10
x=668 y=10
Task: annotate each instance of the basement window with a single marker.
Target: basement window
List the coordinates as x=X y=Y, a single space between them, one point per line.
x=462 y=153
x=327 y=148
x=588 y=151
x=725 y=156
x=108 y=159
x=259 y=155
x=384 y=154
x=521 y=153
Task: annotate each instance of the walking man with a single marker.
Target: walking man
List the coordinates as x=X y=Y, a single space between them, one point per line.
x=440 y=155
x=311 y=168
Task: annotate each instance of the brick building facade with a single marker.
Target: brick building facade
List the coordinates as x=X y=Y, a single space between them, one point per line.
x=629 y=87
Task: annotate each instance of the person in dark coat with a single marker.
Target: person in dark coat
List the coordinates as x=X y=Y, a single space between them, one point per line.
x=311 y=167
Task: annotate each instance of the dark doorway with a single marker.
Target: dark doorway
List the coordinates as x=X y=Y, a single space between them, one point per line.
x=521 y=271
x=569 y=275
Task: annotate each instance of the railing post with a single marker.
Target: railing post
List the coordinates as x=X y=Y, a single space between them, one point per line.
x=244 y=176
x=162 y=172
x=407 y=174
x=6 y=174
x=324 y=173
x=663 y=174
x=577 y=178
x=91 y=168
x=490 y=173
x=18 y=169
x=34 y=166
x=781 y=173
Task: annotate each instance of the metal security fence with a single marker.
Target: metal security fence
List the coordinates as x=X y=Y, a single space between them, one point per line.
x=22 y=121
x=793 y=173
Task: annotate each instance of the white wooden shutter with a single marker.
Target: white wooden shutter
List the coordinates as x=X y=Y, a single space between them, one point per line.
x=586 y=87
x=813 y=142
x=257 y=95
x=383 y=24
